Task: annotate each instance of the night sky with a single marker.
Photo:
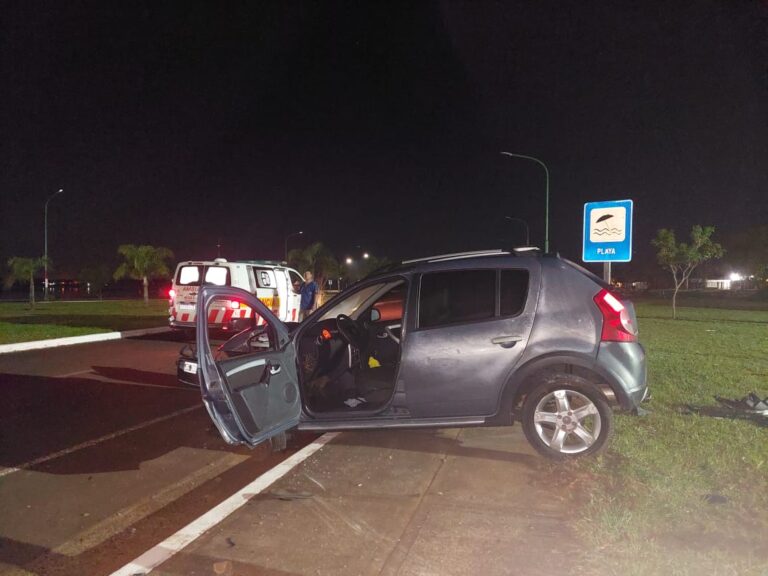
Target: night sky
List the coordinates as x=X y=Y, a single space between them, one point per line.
x=373 y=125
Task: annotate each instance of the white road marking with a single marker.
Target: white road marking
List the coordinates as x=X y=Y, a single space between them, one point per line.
x=105 y=380
x=153 y=557
x=72 y=340
x=125 y=518
x=143 y=385
x=78 y=373
x=98 y=440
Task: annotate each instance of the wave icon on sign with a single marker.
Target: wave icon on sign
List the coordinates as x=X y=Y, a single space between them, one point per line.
x=606 y=231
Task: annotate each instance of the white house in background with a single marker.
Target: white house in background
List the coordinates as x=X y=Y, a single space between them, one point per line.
x=729 y=283
x=718 y=284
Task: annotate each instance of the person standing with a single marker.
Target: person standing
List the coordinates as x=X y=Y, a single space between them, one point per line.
x=308 y=295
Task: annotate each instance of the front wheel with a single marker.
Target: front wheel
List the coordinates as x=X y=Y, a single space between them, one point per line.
x=567 y=417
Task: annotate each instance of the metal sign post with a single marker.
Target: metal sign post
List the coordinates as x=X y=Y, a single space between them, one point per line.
x=607 y=233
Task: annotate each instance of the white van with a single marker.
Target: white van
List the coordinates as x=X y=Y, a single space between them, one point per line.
x=276 y=285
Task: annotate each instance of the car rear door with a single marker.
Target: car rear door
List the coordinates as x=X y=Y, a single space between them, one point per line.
x=467 y=331
x=254 y=395
x=283 y=290
x=186 y=284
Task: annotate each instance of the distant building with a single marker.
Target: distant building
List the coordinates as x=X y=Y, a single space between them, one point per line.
x=718 y=284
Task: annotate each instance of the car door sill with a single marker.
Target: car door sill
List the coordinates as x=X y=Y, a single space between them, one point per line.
x=391 y=423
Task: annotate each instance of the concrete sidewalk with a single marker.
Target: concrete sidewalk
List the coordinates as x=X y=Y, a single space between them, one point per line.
x=464 y=502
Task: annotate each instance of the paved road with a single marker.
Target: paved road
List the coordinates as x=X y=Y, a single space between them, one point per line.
x=103 y=454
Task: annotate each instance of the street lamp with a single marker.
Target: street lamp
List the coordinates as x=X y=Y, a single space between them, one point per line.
x=348 y=260
x=299 y=233
x=546 y=213
x=366 y=255
x=524 y=223
x=45 y=255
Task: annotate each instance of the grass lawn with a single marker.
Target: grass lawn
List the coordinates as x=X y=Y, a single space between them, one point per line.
x=648 y=510
x=18 y=323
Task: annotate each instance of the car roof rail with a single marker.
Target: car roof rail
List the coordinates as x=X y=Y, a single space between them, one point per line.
x=264 y=262
x=458 y=256
x=527 y=249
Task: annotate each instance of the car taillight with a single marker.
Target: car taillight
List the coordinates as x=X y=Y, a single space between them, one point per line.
x=617 y=323
x=234 y=304
x=171 y=294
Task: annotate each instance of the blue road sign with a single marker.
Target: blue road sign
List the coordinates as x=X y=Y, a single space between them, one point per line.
x=607 y=231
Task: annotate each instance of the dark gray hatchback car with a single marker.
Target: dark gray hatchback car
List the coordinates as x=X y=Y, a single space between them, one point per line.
x=472 y=339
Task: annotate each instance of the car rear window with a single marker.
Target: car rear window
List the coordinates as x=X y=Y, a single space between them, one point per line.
x=190 y=275
x=592 y=276
x=513 y=289
x=457 y=296
x=217 y=275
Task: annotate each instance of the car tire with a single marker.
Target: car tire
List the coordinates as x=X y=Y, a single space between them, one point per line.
x=546 y=419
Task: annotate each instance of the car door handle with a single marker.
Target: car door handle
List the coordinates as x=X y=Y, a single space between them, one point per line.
x=506 y=340
x=269 y=371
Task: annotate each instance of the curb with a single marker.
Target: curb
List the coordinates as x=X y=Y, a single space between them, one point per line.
x=72 y=340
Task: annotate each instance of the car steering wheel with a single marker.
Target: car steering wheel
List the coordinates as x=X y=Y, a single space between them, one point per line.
x=351 y=331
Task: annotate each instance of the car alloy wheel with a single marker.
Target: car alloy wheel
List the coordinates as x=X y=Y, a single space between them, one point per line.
x=567 y=421
x=566 y=417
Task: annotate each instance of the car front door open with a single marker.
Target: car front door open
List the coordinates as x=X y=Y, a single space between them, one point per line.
x=249 y=385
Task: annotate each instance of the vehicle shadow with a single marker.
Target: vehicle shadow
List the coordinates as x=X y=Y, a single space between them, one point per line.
x=40 y=416
x=138 y=376
x=435 y=442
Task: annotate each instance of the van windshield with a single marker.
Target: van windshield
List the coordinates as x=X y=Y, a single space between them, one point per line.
x=190 y=275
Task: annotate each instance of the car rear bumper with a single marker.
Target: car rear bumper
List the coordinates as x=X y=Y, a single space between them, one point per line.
x=625 y=365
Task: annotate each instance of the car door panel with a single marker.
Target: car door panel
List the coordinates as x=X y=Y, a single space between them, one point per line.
x=254 y=396
x=262 y=390
x=460 y=369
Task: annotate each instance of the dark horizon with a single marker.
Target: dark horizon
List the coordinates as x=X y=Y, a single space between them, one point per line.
x=181 y=125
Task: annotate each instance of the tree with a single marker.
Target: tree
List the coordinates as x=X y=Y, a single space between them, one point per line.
x=96 y=278
x=22 y=269
x=681 y=258
x=318 y=259
x=143 y=263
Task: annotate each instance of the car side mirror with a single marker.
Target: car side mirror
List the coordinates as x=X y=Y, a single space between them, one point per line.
x=375 y=315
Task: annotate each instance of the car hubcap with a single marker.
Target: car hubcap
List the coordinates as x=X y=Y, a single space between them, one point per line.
x=567 y=421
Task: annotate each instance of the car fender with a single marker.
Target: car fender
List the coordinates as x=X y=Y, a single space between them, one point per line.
x=514 y=385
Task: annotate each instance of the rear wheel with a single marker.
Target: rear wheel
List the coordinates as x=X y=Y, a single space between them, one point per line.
x=566 y=417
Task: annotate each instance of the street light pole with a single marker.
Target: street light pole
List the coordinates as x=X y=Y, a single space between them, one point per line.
x=546 y=210
x=299 y=233
x=45 y=255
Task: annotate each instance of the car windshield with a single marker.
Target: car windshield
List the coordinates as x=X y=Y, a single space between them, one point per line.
x=357 y=301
